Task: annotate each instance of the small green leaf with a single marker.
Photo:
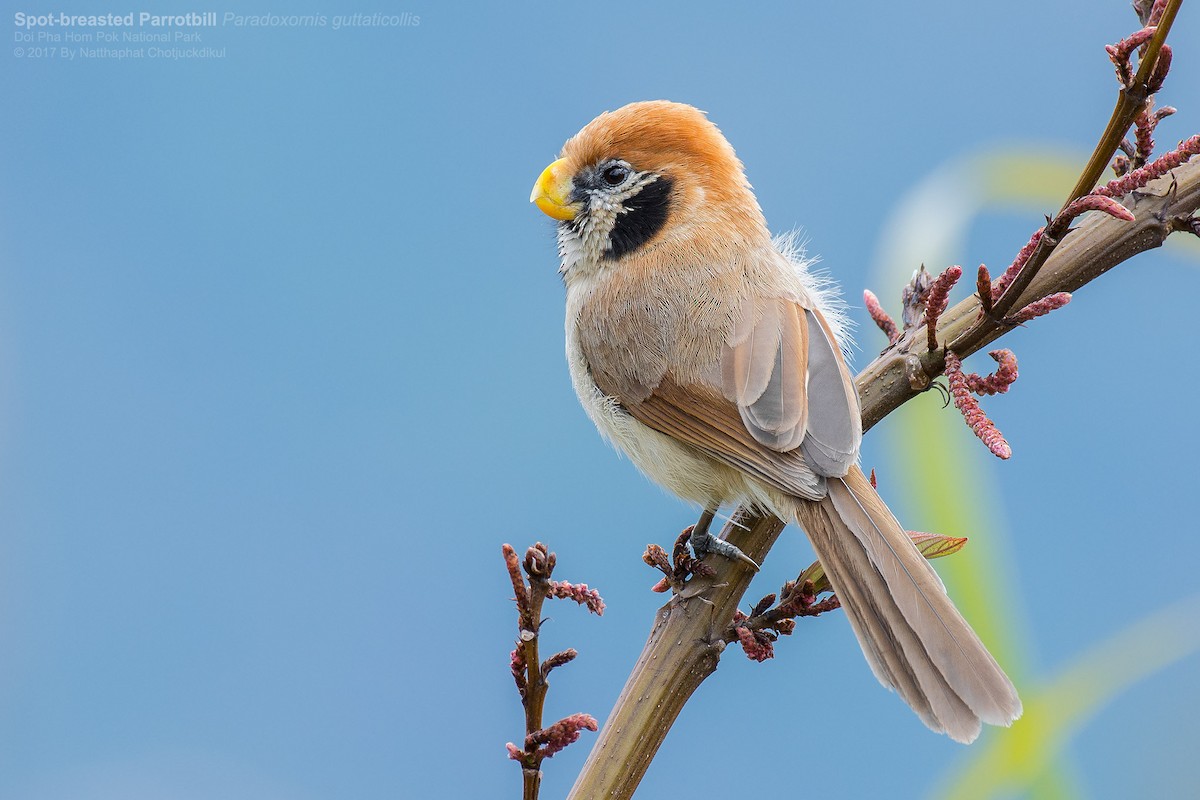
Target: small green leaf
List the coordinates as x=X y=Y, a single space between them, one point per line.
x=931 y=545
x=934 y=545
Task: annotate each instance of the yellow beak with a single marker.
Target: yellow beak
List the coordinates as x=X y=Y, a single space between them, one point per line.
x=552 y=192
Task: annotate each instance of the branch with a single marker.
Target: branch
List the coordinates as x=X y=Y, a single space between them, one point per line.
x=688 y=634
x=1096 y=246
x=529 y=672
x=1135 y=93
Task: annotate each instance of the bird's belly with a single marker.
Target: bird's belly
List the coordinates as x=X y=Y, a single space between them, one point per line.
x=682 y=469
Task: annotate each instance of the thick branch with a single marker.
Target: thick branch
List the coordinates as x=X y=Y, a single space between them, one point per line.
x=684 y=647
x=686 y=641
x=1095 y=247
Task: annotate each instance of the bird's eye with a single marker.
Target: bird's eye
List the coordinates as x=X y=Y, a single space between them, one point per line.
x=615 y=175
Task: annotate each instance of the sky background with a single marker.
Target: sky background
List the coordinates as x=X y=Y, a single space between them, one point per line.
x=281 y=368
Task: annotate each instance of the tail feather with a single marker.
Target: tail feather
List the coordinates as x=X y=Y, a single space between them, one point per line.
x=879 y=642
x=913 y=637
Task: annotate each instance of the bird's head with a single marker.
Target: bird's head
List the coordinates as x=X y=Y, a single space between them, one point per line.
x=644 y=175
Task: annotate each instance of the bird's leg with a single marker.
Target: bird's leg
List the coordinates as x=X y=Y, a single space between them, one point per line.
x=703 y=541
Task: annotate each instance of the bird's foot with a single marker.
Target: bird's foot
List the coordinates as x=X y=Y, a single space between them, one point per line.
x=702 y=542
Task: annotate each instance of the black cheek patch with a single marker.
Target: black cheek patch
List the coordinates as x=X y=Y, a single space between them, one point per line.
x=645 y=214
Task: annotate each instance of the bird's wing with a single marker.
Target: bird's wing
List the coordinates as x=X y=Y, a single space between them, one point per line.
x=782 y=367
x=781 y=407
x=834 y=433
x=701 y=417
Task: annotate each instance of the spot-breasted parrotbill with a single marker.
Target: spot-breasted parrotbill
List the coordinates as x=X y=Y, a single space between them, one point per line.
x=706 y=351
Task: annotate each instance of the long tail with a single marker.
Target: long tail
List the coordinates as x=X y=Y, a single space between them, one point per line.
x=912 y=635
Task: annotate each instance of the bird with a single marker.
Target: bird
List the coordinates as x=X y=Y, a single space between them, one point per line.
x=706 y=351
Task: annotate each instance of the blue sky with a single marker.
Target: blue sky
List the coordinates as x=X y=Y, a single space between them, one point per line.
x=281 y=368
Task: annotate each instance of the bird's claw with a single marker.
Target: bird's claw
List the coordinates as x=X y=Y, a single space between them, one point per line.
x=703 y=542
